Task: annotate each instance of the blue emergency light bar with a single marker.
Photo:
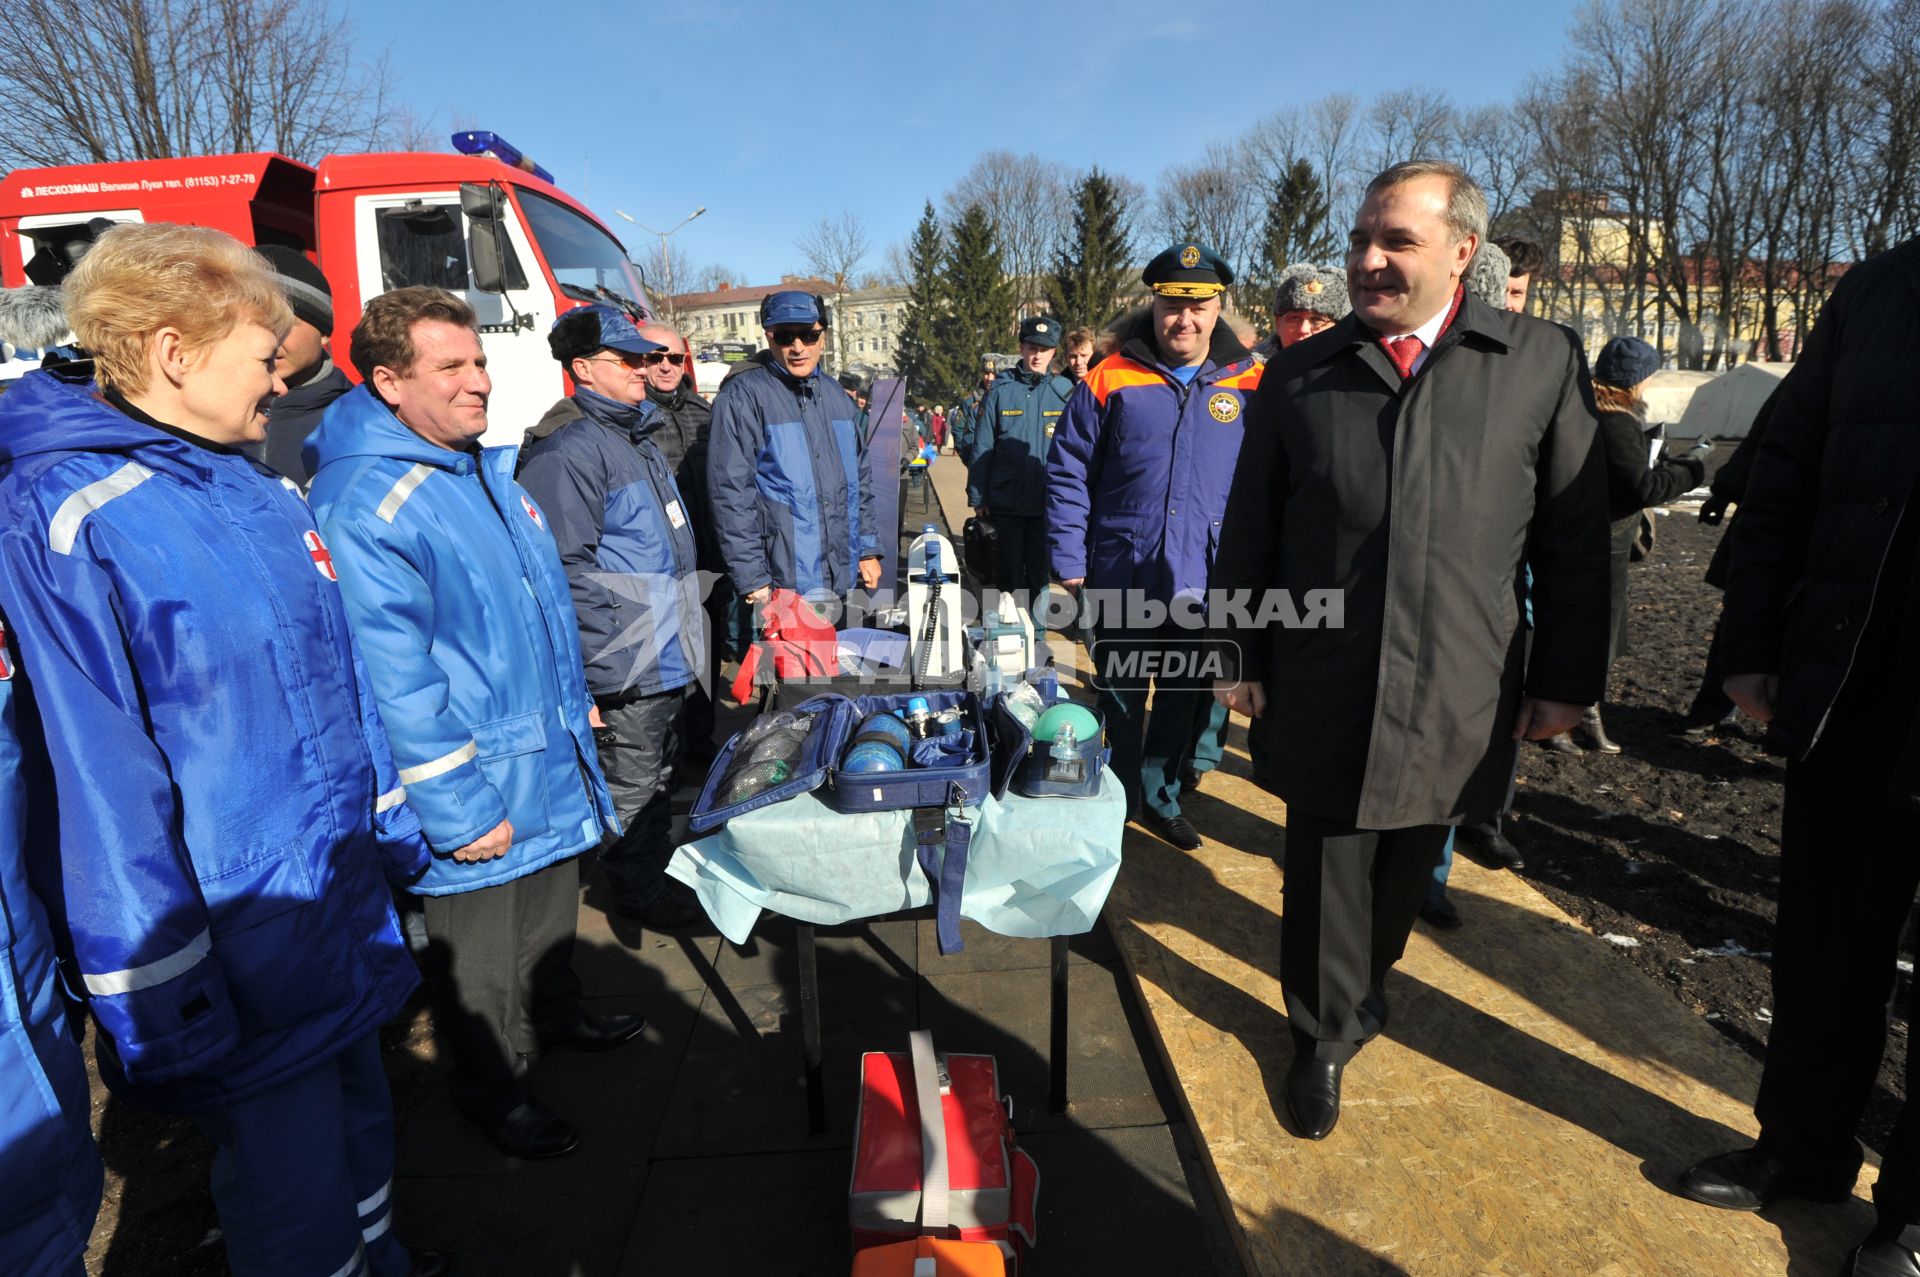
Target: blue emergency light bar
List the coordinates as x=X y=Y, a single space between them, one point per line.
x=481 y=142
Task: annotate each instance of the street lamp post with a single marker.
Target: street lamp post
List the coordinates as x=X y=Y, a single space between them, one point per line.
x=666 y=263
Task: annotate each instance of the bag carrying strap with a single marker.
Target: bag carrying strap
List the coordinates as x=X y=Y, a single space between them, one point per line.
x=941 y=843
x=933 y=1132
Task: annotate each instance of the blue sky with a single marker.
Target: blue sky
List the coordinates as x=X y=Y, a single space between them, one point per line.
x=774 y=115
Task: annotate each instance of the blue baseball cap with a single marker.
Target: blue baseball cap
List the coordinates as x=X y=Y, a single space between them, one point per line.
x=585 y=329
x=792 y=306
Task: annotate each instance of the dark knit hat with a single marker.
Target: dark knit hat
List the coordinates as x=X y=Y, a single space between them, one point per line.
x=307 y=289
x=1626 y=362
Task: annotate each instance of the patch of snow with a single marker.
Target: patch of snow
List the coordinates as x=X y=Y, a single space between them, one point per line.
x=1763 y=1015
x=1904 y=965
x=1731 y=949
x=1625 y=942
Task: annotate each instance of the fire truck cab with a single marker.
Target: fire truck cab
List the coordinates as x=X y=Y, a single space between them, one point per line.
x=498 y=233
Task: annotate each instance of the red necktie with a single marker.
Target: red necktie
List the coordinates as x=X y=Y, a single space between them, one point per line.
x=1403 y=351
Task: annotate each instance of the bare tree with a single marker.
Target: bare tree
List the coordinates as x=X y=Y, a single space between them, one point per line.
x=834 y=248
x=1214 y=202
x=1410 y=124
x=1025 y=197
x=668 y=274
x=1493 y=144
x=96 y=80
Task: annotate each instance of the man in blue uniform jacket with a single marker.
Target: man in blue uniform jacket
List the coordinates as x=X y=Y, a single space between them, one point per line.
x=1137 y=483
x=1007 y=480
x=787 y=469
x=626 y=539
x=458 y=598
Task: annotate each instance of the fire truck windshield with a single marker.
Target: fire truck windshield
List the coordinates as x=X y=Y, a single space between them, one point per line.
x=584 y=259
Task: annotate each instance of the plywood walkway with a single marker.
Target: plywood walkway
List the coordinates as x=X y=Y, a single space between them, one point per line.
x=1531 y=1101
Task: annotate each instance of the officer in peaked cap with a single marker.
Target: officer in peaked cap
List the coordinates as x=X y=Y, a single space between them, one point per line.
x=1007 y=473
x=1137 y=483
x=1187 y=270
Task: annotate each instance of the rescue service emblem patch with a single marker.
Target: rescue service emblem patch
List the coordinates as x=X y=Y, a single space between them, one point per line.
x=1224 y=407
x=322 y=559
x=1190 y=257
x=6 y=663
x=526 y=503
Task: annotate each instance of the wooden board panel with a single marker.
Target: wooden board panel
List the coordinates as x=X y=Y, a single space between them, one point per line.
x=1531 y=1102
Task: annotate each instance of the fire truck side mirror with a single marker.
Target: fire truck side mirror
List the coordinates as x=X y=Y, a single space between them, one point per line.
x=489 y=255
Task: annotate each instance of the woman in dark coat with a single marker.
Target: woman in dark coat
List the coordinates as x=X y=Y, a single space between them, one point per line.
x=1633 y=485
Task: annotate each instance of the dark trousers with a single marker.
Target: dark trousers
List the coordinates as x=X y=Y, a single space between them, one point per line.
x=1351 y=896
x=1711 y=704
x=1849 y=867
x=1150 y=751
x=641 y=745
x=303 y=1172
x=1023 y=556
x=500 y=965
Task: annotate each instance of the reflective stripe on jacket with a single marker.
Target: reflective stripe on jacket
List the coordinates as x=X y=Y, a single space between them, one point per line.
x=460 y=603
x=1139 y=471
x=226 y=798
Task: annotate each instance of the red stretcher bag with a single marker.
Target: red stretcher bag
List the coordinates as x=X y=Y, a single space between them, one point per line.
x=960 y=1178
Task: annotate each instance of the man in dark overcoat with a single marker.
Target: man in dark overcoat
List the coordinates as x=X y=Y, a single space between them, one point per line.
x=1820 y=630
x=1398 y=470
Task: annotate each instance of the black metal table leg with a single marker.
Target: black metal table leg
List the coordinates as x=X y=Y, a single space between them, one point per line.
x=1057 y=1046
x=810 y=1031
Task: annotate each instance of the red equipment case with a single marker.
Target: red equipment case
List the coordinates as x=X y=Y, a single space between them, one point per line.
x=962 y=1177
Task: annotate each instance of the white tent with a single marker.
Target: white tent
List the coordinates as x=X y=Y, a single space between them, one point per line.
x=1725 y=407
x=1668 y=393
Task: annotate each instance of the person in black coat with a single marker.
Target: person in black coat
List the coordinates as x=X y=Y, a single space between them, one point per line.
x=313 y=382
x=1821 y=625
x=1383 y=727
x=1633 y=484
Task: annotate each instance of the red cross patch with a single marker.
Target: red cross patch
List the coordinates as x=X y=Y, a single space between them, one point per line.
x=526 y=503
x=322 y=559
x=6 y=664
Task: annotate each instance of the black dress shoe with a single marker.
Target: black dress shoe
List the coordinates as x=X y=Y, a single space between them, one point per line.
x=1190 y=779
x=1174 y=829
x=1313 y=1095
x=1493 y=850
x=530 y=1130
x=1749 y=1179
x=429 y=1263
x=597 y=1033
x=1438 y=911
x=1881 y=1259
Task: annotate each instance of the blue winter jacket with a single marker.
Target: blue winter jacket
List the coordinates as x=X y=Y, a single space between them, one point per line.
x=1138 y=475
x=226 y=799
x=49 y=1169
x=1015 y=425
x=787 y=474
x=460 y=603
x=626 y=539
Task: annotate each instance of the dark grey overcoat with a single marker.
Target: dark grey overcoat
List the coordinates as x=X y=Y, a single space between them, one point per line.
x=1420 y=501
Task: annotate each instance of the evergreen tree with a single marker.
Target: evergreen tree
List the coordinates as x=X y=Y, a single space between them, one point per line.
x=1090 y=266
x=980 y=321
x=1296 y=227
x=929 y=366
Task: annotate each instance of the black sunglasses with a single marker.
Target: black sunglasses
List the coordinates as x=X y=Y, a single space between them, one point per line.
x=656 y=356
x=787 y=336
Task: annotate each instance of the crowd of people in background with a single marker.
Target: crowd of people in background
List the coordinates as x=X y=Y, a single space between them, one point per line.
x=306 y=692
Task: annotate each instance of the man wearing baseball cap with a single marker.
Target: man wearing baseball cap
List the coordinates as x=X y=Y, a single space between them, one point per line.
x=1007 y=479
x=787 y=468
x=626 y=540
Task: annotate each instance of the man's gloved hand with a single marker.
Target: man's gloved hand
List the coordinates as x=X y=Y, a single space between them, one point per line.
x=1712 y=510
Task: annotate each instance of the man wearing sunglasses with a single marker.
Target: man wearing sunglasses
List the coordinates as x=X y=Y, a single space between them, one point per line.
x=787 y=470
x=685 y=429
x=626 y=539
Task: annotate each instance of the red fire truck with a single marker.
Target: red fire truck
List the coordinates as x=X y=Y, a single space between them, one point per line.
x=488 y=225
